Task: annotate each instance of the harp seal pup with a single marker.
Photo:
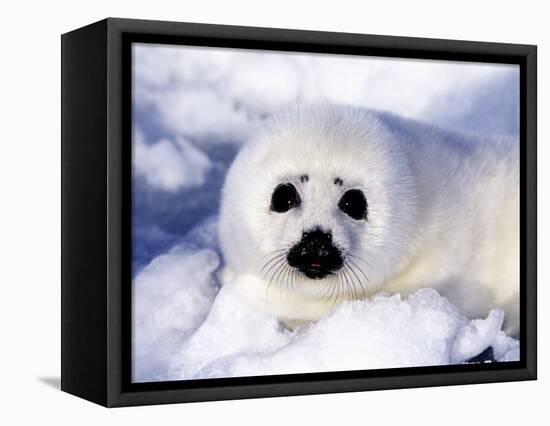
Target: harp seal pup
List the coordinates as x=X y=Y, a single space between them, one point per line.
x=335 y=203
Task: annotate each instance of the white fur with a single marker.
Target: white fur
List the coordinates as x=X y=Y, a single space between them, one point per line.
x=443 y=212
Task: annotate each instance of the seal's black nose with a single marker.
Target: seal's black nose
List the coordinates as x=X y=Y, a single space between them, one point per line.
x=315 y=254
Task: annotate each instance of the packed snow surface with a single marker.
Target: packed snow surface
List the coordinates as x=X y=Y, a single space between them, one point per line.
x=186 y=327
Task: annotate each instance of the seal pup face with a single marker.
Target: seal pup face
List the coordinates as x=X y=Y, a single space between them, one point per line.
x=320 y=203
x=314 y=232
x=316 y=255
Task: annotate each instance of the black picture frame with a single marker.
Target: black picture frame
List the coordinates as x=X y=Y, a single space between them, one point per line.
x=96 y=211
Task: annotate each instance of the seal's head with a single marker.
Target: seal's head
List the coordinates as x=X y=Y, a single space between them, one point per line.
x=321 y=202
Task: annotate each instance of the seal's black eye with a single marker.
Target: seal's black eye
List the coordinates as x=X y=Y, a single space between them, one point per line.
x=284 y=198
x=354 y=204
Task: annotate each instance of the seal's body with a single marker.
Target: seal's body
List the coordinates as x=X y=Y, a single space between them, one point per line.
x=337 y=203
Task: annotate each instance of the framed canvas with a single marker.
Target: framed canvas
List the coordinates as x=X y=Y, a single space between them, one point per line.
x=255 y=212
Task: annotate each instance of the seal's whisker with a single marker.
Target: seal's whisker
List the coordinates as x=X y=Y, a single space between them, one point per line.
x=356 y=266
x=327 y=286
x=333 y=281
x=339 y=281
x=352 y=279
x=274 y=265
x=282 y=269
x=346 y=266
x=345 y=284
x=355 y=284
x=339 y=294
x=357 y=257
x=350 y=266
x=278 y=266
x=342 y=279
x=359 y=268
x=266 y=264
x=346 y=276
x=274 y=251
x=333 y=288
x=347 y=281
x=287 y=276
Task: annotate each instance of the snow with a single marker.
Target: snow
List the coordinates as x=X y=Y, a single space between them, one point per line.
x=220 y=95
x=171 y=298
x=169 y=165
x=186 y=327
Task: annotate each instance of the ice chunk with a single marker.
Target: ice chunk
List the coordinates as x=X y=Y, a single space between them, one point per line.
x=505 y=348
x=170 y=165
x=171 y=297
x=232 y=328
x=476 y=336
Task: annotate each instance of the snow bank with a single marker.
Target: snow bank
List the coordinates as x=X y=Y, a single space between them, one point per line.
x=185 y=328
x=220 y=94
x=169 y=165
x=171 y=297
